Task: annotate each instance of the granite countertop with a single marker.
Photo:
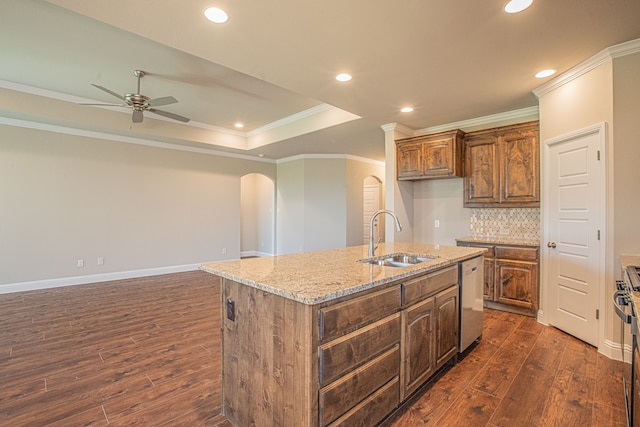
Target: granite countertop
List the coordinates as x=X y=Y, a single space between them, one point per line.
x=626 y=261
x=504 y=240
x=315 y=277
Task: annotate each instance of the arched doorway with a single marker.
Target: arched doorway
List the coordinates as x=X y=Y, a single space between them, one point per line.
x=371 y=202
x=257 y=216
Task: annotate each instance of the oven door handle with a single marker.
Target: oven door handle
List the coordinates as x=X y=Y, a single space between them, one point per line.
x=619 y=299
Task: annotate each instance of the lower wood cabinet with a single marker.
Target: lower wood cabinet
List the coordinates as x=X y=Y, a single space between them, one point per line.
x=511 y=277
x=389 y=358
x=430 y=338
x=418 y=327
x=346 y=362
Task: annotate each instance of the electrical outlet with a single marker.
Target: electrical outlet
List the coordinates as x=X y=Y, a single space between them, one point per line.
x=80 y=263
x=231 y=310
x=224 y=251
x=100 y=261
x=436 y=223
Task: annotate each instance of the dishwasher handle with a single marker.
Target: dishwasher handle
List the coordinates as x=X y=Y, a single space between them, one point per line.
x=620 y=299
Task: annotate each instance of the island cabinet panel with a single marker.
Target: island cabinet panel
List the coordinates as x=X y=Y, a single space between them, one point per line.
x=418 y=324
x=423 y=286
x=266 y=358
x=344 y=317
x=342 y=395
x=343 y=354
x=373 y=409
x=447 y=304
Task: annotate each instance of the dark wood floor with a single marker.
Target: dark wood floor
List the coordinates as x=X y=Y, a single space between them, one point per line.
x=146 y=352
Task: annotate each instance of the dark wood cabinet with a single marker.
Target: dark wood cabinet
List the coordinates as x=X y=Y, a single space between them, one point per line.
x=502 y=167
x=430 y=156
x=511 y=277
x=418 y=325
x=429 y=326
x=446 y=340
x=348 y=361
x=409 y=160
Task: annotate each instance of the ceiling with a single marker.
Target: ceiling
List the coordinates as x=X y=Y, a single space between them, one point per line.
x=272 y=66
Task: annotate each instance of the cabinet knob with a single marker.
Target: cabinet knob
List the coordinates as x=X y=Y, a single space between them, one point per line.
x=551 y=245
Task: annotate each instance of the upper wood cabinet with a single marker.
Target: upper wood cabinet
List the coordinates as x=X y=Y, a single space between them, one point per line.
x=502 y=167
x=437 y=155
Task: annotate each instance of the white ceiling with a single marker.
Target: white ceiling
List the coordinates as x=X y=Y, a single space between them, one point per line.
x=273 y=59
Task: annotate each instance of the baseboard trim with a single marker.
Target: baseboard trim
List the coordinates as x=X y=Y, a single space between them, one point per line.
x=245 y=254
x=615 y=351
x=94 y=278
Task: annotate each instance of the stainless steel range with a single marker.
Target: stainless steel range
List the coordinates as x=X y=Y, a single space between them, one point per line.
x=624 y=308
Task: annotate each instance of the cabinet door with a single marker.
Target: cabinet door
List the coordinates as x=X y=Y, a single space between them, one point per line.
x=520 y=178
x=446 y=325
x=409 y=161
x=443 y=157
x=489 y=267
x=517 y=283
x=417 y=349
x=481 y=182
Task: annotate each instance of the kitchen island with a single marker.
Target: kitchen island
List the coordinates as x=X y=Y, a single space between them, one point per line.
x=319 y=338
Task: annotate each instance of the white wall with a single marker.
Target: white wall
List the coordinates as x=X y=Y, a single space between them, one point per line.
x=257 y=225
x=318 y=204
x=607 y=93
x=441 y=200
x=357 y=172
x=626 y=156
x=66 y=197
x=290 y=207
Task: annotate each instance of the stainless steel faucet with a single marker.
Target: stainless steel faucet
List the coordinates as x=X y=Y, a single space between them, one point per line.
x=372 y=248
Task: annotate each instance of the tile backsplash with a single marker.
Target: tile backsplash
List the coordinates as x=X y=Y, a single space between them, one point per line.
x=521 y=223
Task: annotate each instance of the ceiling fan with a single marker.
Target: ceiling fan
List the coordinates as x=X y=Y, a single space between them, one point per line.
x=139 y=103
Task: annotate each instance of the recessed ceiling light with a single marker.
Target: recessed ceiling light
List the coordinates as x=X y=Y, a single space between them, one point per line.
x=216 y=15
x=545 y=73
x=515 y=6
x=406 y=109
x=239 y=125
x=343 y=77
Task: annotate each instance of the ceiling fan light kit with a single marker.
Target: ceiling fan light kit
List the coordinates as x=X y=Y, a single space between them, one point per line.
x=140 y=103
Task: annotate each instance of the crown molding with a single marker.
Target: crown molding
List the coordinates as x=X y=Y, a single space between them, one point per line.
x=602 y=57
x=330 y=156
x=120 y=138
x=398 y=127
x=481 y=121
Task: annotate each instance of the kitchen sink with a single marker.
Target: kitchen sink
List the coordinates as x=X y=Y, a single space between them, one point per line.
x=396 y=260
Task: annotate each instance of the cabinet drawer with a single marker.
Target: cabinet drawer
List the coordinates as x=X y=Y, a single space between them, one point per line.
x=517 y=253
x=337 y=319
x=490 y=253
x=345 y=353
x=342 y=395
x=372 y=410
x=422 y=287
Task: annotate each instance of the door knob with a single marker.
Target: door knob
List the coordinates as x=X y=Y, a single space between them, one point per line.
x=551 y=244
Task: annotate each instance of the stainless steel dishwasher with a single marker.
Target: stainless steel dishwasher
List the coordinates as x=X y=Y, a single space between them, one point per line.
x=471 y=301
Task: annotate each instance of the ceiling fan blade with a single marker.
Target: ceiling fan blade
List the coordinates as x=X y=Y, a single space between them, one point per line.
x=166 y=100
x=169 y=115
x=137 y=116
x=109 y=91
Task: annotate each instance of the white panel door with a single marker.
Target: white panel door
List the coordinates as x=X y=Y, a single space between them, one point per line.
x=371 y=198
x=574 y=205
